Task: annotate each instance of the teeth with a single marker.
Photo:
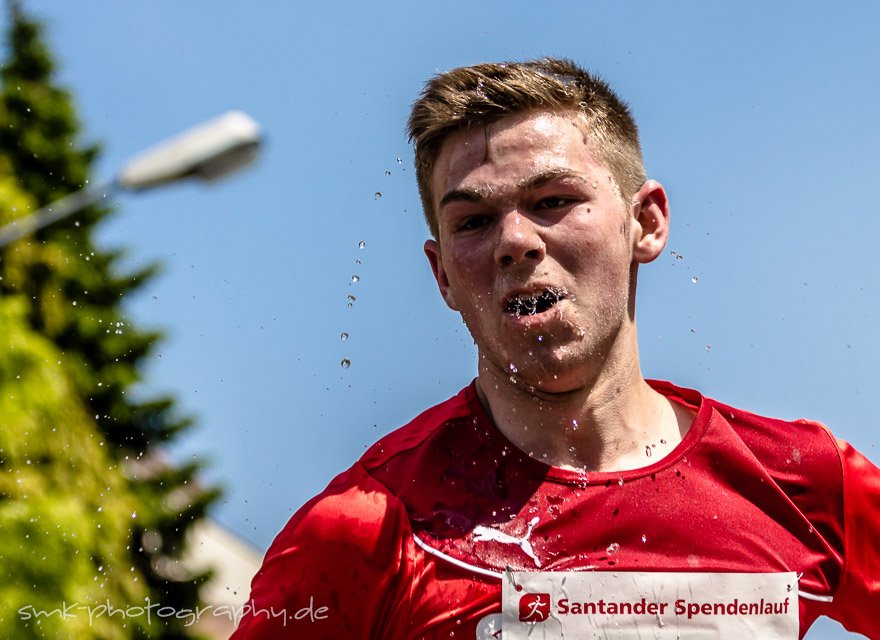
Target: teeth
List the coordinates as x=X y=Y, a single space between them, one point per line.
x=535 y=304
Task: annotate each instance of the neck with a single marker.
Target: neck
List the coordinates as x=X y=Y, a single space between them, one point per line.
x=609 y=421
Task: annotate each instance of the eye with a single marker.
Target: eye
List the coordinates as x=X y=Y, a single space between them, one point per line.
x=472 y=223
x=553 y=202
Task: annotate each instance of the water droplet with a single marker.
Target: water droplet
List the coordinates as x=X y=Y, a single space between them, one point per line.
x=361 y=244
x=134 y=514
x=574 y=424
x=695 y=279
x=351 y=300
x=644 y=538
x=355 y=279
x=377 y=195
x=612 y=548
x=648 y=451
x=540 y=338
x=346 y=363
x=387 y=172
x=400 y=161
x=513 y=368
x=620 y=482
x=343 y=336
x=708 y=348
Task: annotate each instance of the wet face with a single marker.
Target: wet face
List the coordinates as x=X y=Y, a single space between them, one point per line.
x=537 y=249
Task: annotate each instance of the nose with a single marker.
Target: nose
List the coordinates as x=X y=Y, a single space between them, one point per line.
x=519 y=241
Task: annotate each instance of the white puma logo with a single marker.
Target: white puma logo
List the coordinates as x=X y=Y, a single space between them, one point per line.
x=482 y=533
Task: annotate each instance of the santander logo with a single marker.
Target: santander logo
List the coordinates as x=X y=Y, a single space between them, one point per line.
x=534 y=607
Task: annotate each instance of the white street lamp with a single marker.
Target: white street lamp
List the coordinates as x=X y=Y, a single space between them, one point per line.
x=208 y=151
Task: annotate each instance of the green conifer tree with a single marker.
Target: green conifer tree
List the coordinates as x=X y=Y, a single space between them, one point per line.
x=74 y=291
x=66 y=511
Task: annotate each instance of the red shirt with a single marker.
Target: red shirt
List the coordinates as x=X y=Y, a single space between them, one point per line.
x=412 y=540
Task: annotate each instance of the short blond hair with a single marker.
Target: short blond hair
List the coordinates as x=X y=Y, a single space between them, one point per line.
x=484 y=93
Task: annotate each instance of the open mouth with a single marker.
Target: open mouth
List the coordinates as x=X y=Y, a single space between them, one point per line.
x=536 y=303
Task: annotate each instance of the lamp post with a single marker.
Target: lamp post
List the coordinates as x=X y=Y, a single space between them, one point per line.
x=208 y=151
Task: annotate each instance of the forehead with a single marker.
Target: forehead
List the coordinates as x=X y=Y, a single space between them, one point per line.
x=513 y=148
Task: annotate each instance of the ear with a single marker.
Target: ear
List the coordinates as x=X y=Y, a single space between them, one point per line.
x=650 y=208
x=435 y=258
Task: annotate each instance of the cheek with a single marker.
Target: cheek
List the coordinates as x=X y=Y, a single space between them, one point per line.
x=472 y=295
x=598 y=248
x=470 y=269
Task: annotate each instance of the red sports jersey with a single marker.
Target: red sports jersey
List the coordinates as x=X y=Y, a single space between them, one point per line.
x=415 y=539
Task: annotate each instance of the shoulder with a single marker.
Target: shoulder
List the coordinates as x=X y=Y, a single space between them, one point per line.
x=798 y=458
x=353 y=513
x=798 y=448
x=338 y=568
x=349 y=551
x=788 y=448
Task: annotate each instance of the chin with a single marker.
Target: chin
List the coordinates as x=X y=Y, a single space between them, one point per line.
x=547 y=375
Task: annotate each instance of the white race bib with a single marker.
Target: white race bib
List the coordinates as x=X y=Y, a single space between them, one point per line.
x=624 y=605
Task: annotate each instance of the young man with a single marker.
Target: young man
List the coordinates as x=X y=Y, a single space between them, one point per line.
x=560 y=494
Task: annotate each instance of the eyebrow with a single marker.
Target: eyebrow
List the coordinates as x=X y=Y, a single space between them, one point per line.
x=538 y=181
x=464 y=195
x=534 y=182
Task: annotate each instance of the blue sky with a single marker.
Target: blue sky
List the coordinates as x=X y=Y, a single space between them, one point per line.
x=759 y=118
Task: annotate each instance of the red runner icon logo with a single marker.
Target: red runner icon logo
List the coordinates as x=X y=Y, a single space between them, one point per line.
x=534 y=607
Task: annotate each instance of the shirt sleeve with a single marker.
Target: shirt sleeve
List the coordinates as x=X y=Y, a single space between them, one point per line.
x=336 y=570
x=857 y=600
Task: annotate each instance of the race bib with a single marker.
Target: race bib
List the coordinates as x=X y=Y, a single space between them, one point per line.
x=624 y=605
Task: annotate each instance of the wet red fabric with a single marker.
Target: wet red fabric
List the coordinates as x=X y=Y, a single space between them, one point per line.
x=410 y=541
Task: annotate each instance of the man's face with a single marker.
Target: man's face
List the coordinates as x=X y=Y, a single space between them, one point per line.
x=536 y=248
